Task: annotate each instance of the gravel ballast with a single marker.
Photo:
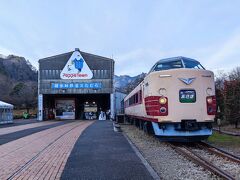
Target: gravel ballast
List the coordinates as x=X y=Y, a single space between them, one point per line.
x=232 y=167
x=163 y=159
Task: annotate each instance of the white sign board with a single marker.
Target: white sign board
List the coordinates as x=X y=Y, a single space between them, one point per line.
x=76 y=68
x=40 y=107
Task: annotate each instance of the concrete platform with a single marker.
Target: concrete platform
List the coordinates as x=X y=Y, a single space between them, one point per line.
x=101 y=153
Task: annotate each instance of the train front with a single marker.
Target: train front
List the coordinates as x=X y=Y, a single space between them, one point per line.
x=180 y=94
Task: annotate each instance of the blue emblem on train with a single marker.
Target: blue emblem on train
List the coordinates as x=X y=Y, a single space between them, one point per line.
x=187 y=81
x=78 y=64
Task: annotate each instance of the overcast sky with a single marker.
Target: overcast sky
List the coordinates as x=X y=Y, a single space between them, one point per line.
x=135 y=33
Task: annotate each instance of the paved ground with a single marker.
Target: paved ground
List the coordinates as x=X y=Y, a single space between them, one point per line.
x=18 y=122
x=41 y=155
x=55 y=150
x=12 y=129
x=101 y=153
x=15 y=134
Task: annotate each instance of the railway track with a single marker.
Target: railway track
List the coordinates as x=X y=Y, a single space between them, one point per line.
x=205 y=155
x=219 y=152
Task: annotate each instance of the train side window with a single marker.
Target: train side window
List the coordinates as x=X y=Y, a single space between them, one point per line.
x=140 y=96
x=126 y=103
x=136 y=98
x=131 y=100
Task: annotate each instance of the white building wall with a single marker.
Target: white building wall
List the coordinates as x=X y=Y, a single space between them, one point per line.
x=118 y=98
x=112 y=105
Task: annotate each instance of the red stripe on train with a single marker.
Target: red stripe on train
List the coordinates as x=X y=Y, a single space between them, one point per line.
x=153 y=106
x=144 y=118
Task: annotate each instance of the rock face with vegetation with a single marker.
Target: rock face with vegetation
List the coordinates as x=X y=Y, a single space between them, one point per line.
x=18 y=80
x=127 y=83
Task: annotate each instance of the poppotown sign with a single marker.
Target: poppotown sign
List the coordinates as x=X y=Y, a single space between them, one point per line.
x=76 y=68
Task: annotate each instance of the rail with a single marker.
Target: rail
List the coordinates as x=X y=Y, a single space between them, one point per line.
x=219 y=152
x=187 y=152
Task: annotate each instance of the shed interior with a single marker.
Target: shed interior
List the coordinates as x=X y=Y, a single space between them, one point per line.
x=74 y=106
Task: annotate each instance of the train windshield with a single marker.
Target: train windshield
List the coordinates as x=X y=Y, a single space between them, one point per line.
x=168 y=65
x=192 y=64
x=177 y=64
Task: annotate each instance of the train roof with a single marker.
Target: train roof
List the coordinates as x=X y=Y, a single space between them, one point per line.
x=186 y=63
x=177 y=58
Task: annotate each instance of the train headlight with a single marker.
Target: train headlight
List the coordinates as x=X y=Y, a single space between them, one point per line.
x=209 y=91
x=209 y=100
x=162 y=100
x=162 y=91
x=163 y=110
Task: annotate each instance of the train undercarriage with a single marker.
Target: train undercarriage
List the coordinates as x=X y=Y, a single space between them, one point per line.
x=184 y=131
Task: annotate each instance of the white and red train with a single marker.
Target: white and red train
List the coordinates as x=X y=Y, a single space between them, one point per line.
x=176 y=100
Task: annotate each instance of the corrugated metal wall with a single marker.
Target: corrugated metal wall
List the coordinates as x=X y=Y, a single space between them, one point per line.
x=50 y=69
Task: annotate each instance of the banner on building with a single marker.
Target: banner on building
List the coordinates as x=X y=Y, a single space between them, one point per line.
x=82 y=85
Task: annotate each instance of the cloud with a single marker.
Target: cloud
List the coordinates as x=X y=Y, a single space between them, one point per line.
x=5 y=51
x=141 y=60
x=228 y=54
x=136 y=61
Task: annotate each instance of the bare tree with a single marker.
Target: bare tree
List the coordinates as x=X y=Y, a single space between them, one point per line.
x=235 y=74
x=24 y=95
x=232 y=97
x=220 y=78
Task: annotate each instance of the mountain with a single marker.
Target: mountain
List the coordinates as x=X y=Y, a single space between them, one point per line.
x=18 y=79
x=17 y=68
x=123 y=80
x=125 y=83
